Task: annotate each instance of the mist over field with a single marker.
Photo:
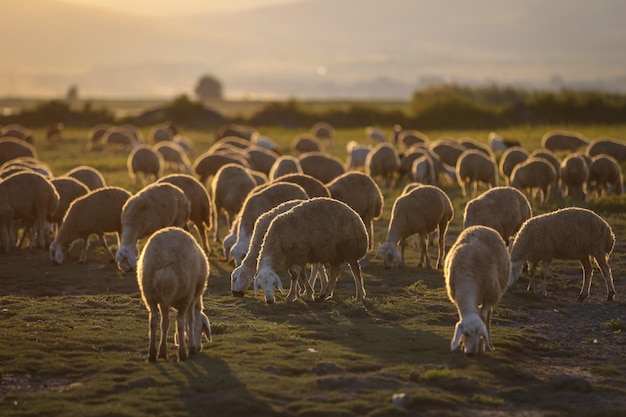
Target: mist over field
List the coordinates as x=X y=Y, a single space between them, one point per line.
x=313 y=48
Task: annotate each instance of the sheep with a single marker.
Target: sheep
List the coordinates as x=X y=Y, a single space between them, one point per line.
x=407 y=158
x=11 y=148
x=605 y=175
x=511 y=157
x=312 y=186
x=447 y=149
x=25 y=163
x=18 y=132
x=229 y=188
x=499 y=144
x=613 y=147
x=173 y=272
x=243 y=275
x=69 y=189
x=89 y=176
x=304 y=143
x=409 y=138
x=207 y=164
x=55 y=132
x=232 y=129
x=259 y=177
x=360 y=192
x=504 y=209
x=163 y=132
x=324 y=132
x=322 y=166
x=570 y=233
x=257 y=203
x=29 y=197
x=97 y=212
x=423 y=170
x=473 y=167
x=286 y=164
x=471 y=143
x=133 y=132
x=560 y=140
x=383 y=164
x=200 y=210
x=186 y=144
x=534 y=173
x=260 y=159
x=375 y=134
x=554 y=160
x=307 y=234
x=117 y=137
x=574 y=176
x=476 y=286
x=174 y=156
x=157 y=206
x=422 y=210
x=145 y=160
x=96 y=134
x=264 y=142
x=357 y=154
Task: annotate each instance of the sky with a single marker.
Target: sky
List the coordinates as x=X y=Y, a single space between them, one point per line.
x=179 y=7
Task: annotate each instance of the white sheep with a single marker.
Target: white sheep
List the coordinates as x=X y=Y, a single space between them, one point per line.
x=474 y=167
x=511 y=157
x=551 y=157
x=308 y=234
x=285 y=164
x=156 y=206
x=201 y=211
x=312 y=186
x=535 y=174
x=570 y=233
x=207 y=164
x=97 y=212
x=476 y=273
x=613 y=147
x=423 y=170
x=322 y=166
x=561 y=140
x=383 y=164
x=504 y=209
x=447 y=149
x=257 y=203
x=173 y=271
x=89 y=176
x=605 y=175
x=574 y=176
x=357 y=155
x=144 y=160
x=422 y=210
x=174 y=156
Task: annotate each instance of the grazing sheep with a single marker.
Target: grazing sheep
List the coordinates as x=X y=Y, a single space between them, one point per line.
x=534 y=174
x=69 y=189
x=232 y=129
x=605 y=175
x=324 y=132
x=304 y=143
x=17 y=132
x=286 y=164
x=357 y=155
x=512 y=157
x=408 y=138
x=307 y=234
x=259 y=177
x=499 y=144
x=474 y=167
x=322 y=166
x=574 y=176
x=376 y=134
x=207 y=164
x=145 y=161
x=97 y=212
x=407 y=158
x=422 y=210
x=476 y=286
x=260 y=159
x=229 y=188
x=89 y=176
x=96 y=135
x=163 y=132
x=133 y=131
x=25 y=163
x=186 y=144
x=423 y=170
x=31 y=198
x=200 y=210
x=612 y=147
x=55 y=132
x=312 y=186
x=360 y=192
x=383 y=164
x=173 y=272
x=230 y=145
x=155 y=207
x=257 y=203
x=11 y=148
x=570 y=233
x=554 y=160
x=560 y=140
x=174 y=156
x=447 y=149
x=116 y=137
x=504 y=209
x=471 y=143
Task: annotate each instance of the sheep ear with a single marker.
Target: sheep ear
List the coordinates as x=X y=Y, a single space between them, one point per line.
x=456 y=340
x=279 y=284
x=58 y=254
x=206 y=327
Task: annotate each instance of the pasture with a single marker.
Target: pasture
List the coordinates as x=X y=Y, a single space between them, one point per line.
x=74 y=337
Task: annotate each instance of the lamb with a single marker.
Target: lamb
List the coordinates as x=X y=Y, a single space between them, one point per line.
x=613 y=147
x=473 y=167
x=312 y=186
x=504 y=209
x=360 y=192
x=476 y=286
x=322 y=166
x=383 y=164
x=302 y=144
x=357 y=155
x=29 y=197
x=307 y=234
x=12 y=148
x=512 y=157
x=97 y=212
x=156 y=206
x=174 y=156
x=570 y=233
x=286 y=164
x=207 y=164
x=145 y=160
x=535 y=173
x=560 y=140
x=229 y=188
x=200 y=210
x=422 y=210
x=89 y=176
x=574 y=176
x=257 y=203
x=173 y=272
x=605 y=175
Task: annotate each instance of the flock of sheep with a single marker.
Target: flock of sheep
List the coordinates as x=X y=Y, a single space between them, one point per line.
x=285 y=212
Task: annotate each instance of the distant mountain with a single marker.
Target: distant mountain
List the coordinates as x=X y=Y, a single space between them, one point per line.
x=349 y=48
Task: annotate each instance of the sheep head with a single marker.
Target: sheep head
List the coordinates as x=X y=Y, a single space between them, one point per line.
x=240 y=280
x=57 y=253
x=472 y=333
x=126 y=257
x=265 y=279
x=389 y=254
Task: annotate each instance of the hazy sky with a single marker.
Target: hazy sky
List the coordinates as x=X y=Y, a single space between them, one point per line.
x=180 y=7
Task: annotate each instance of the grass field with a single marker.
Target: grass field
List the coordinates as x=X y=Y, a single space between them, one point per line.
x=74 y=337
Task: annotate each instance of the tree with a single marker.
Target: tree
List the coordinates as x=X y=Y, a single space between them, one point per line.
x=72 y=92
x=208 y=88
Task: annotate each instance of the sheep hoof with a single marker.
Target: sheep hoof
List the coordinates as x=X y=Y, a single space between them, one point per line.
x=238 y=293
x=611 y=297
x=581 y=298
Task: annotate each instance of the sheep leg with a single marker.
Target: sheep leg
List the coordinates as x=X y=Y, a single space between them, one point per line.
x=83 y=251
x=152 y=330
x=608 y=277
x=587 y=276
x=308 y=290
x=294 y=274
x=358 y=280
x=103 y=241
x=443 y=228
x=545 y=264
x=424 y=251
x=165 y=324
x=402 y=248
x=180 y=331
x=531 y=280
x=329 y=289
